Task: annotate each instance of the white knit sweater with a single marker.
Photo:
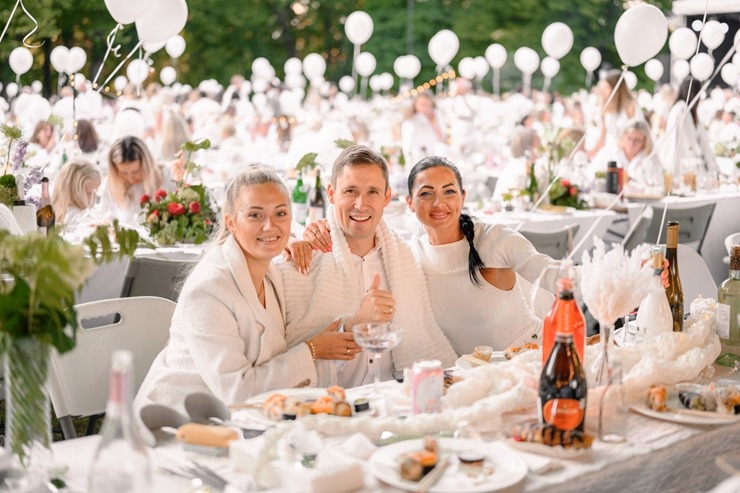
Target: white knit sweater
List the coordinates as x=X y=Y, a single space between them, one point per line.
x=330 y=290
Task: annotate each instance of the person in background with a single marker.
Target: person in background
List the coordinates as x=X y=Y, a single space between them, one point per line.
x=622 y=108
x=132 y=172
x=524 y=144
x=424 y=132
x=227 y=336
x=74 y=193
x=174 y=135
x=636 y=155
x=369 y=275
x=41 y=145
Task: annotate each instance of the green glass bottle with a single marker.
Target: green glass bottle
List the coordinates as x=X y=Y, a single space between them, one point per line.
x=300 y=201
x=728 y=311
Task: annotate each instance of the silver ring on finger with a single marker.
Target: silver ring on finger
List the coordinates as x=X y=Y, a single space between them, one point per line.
x=348 y=351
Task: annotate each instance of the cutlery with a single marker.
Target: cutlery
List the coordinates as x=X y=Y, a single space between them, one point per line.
x=428 y=481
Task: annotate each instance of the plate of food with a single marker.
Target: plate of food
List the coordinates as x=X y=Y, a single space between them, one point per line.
x=690 y=404
x=481 y=356
x=544 y=439
x=290 y=404
x=474 y=466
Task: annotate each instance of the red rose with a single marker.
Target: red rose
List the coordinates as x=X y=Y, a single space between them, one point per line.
x=207 y=222
x=144 y=199
x=194 y=207
x=176 y=208
x=159 y=195
x=573 y=191
x=565 y=183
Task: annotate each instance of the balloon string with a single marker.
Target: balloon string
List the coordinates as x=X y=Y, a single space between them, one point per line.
x=115 y=70
x=7 y=24
x=596 y=223
x=109 y=41
x=35 y=28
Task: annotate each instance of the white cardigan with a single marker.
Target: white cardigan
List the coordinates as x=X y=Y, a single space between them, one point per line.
x=222 y=340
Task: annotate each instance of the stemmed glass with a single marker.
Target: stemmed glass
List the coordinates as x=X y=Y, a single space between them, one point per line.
x=377 y=338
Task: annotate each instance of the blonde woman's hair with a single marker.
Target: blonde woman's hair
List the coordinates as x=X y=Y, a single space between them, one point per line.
x=255 y=174
x=69 y=186
x=174 y=135
x=623 y=100
x=642 y=127
x=126 y=150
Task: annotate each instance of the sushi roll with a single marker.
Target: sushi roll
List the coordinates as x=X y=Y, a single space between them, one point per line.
x=657 y=398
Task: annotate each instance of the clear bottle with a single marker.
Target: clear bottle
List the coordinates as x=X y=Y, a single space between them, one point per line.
x=20 y=198
x=674 y=291
x=121 y=463
x=45 y=215
x=565 y=315
x=300 y=201
x=317 y=206
x=728 y=307
x=563 y=389
x=654 y=315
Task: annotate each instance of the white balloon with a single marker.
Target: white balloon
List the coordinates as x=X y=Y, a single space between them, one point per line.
x=702 y=66
x=526 y=60
x=259 y=85
x=375 y=83
x=496 y=55
x=718 y=96
x=682 y=43
x=293 y=66
x=152 y=47
x=80 y=80
x=175 y=46
x=466 y=68
x=630 y=79
x=76 y=59
x=697 y=25
x=712 y=34
x=259 y=100
x=36 y=86
x=654 y=69
x=365 y=63
x=407 y=66
x=729 y=74
x=11 y=89
x=162 y=21
x=557 y=40
x=680 y=69
x=127 y=11
x=386 y=80
x=58 y=58
x=262 y=68
x=347 y=84
x=550 y=67
x=590 y=58
x=314 y=66
x=443 y=47
x=20 y=60
x=167 y=75
x=358 y=27
x=481 y=67
x=295 y=81
x=640 y=34
x=120 y=83
x=137 y=71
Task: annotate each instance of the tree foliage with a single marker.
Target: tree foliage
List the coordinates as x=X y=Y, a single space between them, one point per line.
x=224 y=36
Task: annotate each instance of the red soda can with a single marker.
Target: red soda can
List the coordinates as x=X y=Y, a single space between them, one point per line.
x=427 y=381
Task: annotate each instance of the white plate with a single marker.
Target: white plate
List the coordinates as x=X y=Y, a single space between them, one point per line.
x=675 y=414
x=305 y=394
x=496 y=357
x=509 y=469
x=558 y=452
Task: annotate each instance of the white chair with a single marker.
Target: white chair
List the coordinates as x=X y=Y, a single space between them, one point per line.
x=556 y=244
x=693 y=223
x=78 y=379
x=157 y=275
x=637 y=233
x=696 y=279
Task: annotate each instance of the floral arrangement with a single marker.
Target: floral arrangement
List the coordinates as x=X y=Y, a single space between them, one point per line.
x=8 y=181
x=565 y=193
x=185 y=215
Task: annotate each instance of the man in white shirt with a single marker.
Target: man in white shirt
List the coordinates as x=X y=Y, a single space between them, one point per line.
x=369 y=276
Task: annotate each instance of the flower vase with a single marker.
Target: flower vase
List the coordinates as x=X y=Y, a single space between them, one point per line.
x=28 y=417
x=612 y=415
x=602 y=368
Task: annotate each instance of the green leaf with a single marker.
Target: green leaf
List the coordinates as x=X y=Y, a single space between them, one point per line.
x=308 y=161
x=344 y=143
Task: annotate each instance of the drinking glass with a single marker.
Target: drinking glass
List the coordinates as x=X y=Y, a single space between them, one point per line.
x=377 y=338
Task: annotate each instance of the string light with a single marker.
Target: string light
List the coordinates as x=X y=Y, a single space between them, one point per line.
x=449 y=75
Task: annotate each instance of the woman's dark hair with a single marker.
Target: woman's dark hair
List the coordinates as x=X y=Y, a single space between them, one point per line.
x=467 y=226
x=687 y=91
x=87 y=137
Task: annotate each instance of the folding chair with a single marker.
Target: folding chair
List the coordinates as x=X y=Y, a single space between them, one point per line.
x=693 y=223
x=556 y=244
x=156 y=275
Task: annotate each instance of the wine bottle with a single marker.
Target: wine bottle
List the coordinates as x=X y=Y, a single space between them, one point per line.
x=532 y=188
x=563 y=390
x=45 y=215
x=728 y=307
x=121 y=463
x=300 y=201
x=564 y=315
x=20 y=198
x=612 y=177
x=654 y=315
x=674 y=291
x=317 y=206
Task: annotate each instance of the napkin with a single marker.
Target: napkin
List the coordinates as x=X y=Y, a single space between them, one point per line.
x=358 y=446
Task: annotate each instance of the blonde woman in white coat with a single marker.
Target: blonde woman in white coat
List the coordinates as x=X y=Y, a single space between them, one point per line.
x=227 y=336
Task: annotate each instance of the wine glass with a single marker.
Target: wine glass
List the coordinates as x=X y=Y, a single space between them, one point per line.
x=377 y=338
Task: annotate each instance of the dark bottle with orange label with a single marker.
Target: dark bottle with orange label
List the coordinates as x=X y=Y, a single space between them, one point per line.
x=562 y=396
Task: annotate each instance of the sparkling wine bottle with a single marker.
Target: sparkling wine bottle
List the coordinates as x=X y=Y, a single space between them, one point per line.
x=565 y=315
x=45 y=215
x=300 y=201
x=563 y=390
x=728 y=307
x=121 y=463
x=654 y=315
x=674 y=291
